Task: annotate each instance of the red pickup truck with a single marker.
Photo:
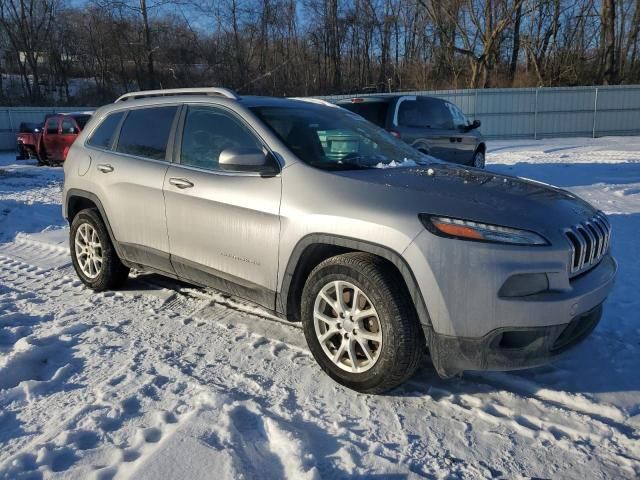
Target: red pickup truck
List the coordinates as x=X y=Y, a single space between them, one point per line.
x=51 y=142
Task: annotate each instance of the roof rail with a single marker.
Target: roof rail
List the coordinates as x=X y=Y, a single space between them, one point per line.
x=224 y=92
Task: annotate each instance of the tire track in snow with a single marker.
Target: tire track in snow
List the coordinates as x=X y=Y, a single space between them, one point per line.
x=189 y=304
x=259 y=388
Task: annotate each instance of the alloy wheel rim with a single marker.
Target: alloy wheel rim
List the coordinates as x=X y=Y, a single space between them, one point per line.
x=88 y=250
x=347 y=326
x=479 y=160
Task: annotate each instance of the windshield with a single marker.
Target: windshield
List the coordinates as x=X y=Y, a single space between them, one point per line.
x=335 y=139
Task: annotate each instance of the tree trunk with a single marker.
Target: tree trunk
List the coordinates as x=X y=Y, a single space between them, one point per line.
x=147 y=44
x=515 y=51
x=608 y=19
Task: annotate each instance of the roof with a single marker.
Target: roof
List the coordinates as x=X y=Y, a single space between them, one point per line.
x=378 y=98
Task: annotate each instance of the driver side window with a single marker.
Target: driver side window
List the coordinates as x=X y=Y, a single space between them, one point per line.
x=207 y=132
x=459 y=119
x=52 y=126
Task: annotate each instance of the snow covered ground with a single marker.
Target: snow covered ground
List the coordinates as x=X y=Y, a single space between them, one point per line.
x=163 y=380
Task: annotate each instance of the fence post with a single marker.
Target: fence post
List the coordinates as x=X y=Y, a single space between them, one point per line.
x=10 y=120
x=595 y=113
x=475 y=104
x=535 y=116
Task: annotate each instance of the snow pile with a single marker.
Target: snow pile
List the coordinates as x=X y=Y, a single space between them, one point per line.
x=407 y=162
x=164 y=380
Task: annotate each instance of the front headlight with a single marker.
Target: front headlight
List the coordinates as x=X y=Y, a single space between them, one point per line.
x=480 y=232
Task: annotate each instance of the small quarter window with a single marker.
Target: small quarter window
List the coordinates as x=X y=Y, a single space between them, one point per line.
x=145 y=132
x=102 y=137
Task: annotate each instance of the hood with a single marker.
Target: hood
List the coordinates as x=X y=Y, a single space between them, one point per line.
x=480 y=195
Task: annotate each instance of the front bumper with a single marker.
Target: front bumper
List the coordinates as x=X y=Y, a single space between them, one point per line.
x=471 y=326
x=509 y=349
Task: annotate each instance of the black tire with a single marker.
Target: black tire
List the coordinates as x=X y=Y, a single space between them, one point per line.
x=113 y=274
x=479 y=159
x=41 y=155
x=403 y=342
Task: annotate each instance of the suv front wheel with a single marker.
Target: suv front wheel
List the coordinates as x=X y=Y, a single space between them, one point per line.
x=479 y=159
x=359 y=323
x=94 y=257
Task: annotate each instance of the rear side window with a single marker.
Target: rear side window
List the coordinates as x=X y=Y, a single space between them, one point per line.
x=459 y=120
x=425 y=113
x=375 y=112
x=68 y=127
x=145 y=132
x=103 y=136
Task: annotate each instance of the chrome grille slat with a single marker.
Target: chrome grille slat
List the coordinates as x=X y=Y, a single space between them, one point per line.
x=583 y=246
x=601 y=233
x=589 y=242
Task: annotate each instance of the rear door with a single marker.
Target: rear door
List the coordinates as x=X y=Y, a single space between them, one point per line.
x=224 y=226
x=129 y=172
x=427 y=125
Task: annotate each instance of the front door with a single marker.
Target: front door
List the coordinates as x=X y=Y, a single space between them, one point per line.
x=224 y=226
x=425 y=124
x=468 y=140
x=51 y=138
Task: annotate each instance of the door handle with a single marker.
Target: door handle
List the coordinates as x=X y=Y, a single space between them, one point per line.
x=180 y=182
x=105 y=168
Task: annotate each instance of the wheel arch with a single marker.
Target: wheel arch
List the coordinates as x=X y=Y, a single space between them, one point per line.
x=317 y=247
x=78 y=200
x=422 y=145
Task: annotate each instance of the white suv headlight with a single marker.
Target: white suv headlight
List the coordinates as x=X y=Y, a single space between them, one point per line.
x=480 y=232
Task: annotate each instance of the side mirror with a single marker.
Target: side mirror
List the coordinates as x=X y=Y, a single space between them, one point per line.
x=475 y=124
x=246 y=159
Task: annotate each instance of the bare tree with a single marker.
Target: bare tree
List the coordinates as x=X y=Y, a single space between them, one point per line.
x=92 y=51
x=27 y=24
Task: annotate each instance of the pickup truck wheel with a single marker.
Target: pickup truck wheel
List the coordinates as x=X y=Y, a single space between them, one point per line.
x=92 y=253
x=361 y=327
x=41 y=155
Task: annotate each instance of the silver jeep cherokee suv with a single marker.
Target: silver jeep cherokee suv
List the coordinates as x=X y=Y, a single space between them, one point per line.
x=321 y=217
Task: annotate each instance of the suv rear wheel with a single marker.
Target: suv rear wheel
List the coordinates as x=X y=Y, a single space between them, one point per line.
x=94 y=257
x=360 y=327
